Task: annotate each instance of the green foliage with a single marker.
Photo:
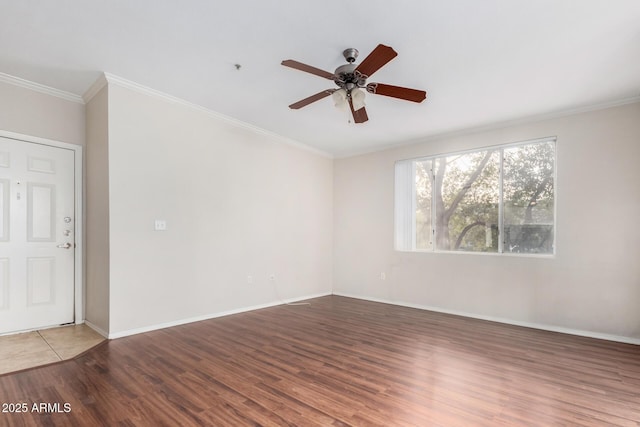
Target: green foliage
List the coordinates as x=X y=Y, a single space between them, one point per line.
x=529 y=198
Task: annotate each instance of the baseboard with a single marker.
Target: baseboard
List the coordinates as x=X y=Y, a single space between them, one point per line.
x=551 y=328
x=96 y=328
x=150 y=328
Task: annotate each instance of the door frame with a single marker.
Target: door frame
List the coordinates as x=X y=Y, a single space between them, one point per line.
x=78 y=274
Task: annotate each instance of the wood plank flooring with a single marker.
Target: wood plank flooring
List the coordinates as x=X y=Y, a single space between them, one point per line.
x=336 y=362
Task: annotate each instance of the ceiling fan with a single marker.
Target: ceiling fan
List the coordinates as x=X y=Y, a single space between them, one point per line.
x=351 y=79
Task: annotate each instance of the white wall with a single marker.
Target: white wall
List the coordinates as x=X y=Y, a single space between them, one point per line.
x=236 y=202
x=240 y=203
x=38 y=114
x=97 y=213
x=591 y=286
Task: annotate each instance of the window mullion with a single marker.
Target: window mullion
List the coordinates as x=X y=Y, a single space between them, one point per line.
x=414 y=205
x=433 y=205
x=501 y=204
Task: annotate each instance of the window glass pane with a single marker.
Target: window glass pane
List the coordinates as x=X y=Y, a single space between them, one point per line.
x=529 y=198
x=423 y=205
x=466 y=192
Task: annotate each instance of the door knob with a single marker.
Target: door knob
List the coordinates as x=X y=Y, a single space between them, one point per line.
x=64 y=246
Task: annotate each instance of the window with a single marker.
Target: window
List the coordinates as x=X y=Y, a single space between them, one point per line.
x=496 y=200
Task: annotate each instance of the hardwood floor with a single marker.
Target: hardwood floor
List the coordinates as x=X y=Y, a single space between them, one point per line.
x=336 y=362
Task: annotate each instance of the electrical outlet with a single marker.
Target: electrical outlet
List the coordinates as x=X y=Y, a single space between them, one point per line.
x=160 y=225
x=383 y=276
x=249 y=279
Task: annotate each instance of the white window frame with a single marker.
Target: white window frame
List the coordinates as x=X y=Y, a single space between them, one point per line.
x=405 y=201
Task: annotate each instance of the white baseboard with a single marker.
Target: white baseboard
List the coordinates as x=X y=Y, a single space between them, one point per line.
x=551 y=328
x=208 y=316
x=97 y=329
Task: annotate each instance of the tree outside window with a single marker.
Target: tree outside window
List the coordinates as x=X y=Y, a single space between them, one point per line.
x=495 y=200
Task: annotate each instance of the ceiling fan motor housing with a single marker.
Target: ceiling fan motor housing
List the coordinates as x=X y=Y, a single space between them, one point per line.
x=346 y=77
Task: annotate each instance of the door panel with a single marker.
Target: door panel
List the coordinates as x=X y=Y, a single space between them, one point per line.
x=41 y=215
x=36 y=235
x=4 y=210
x=4 y=283
x=40 y=280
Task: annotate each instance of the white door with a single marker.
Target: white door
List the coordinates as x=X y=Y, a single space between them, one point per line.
x=37 y=241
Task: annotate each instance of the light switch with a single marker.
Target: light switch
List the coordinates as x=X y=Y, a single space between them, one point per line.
x=160 y=225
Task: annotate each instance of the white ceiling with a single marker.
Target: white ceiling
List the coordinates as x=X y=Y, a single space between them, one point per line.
x=481 y=62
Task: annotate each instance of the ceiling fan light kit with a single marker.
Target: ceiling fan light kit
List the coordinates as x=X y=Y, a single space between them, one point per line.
x=340 y=99
x=351 y=80
x=357 y=98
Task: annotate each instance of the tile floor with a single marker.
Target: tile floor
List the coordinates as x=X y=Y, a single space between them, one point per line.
x=31 y=349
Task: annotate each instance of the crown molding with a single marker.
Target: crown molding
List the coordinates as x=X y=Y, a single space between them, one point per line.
x=119 y=81
x=37 y=87
x=93 y=90
x=496 y=126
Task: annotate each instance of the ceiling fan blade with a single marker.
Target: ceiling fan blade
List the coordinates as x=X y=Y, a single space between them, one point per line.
x=407 y=94
x=307 y=68
x=312 y=98
x=376 y=60
x=359 y=116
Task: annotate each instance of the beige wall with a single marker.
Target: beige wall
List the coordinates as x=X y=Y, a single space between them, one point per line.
x=33 y=113
x=97 y=213
x=591 y=286
x=236 y=202
x=240 y=203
